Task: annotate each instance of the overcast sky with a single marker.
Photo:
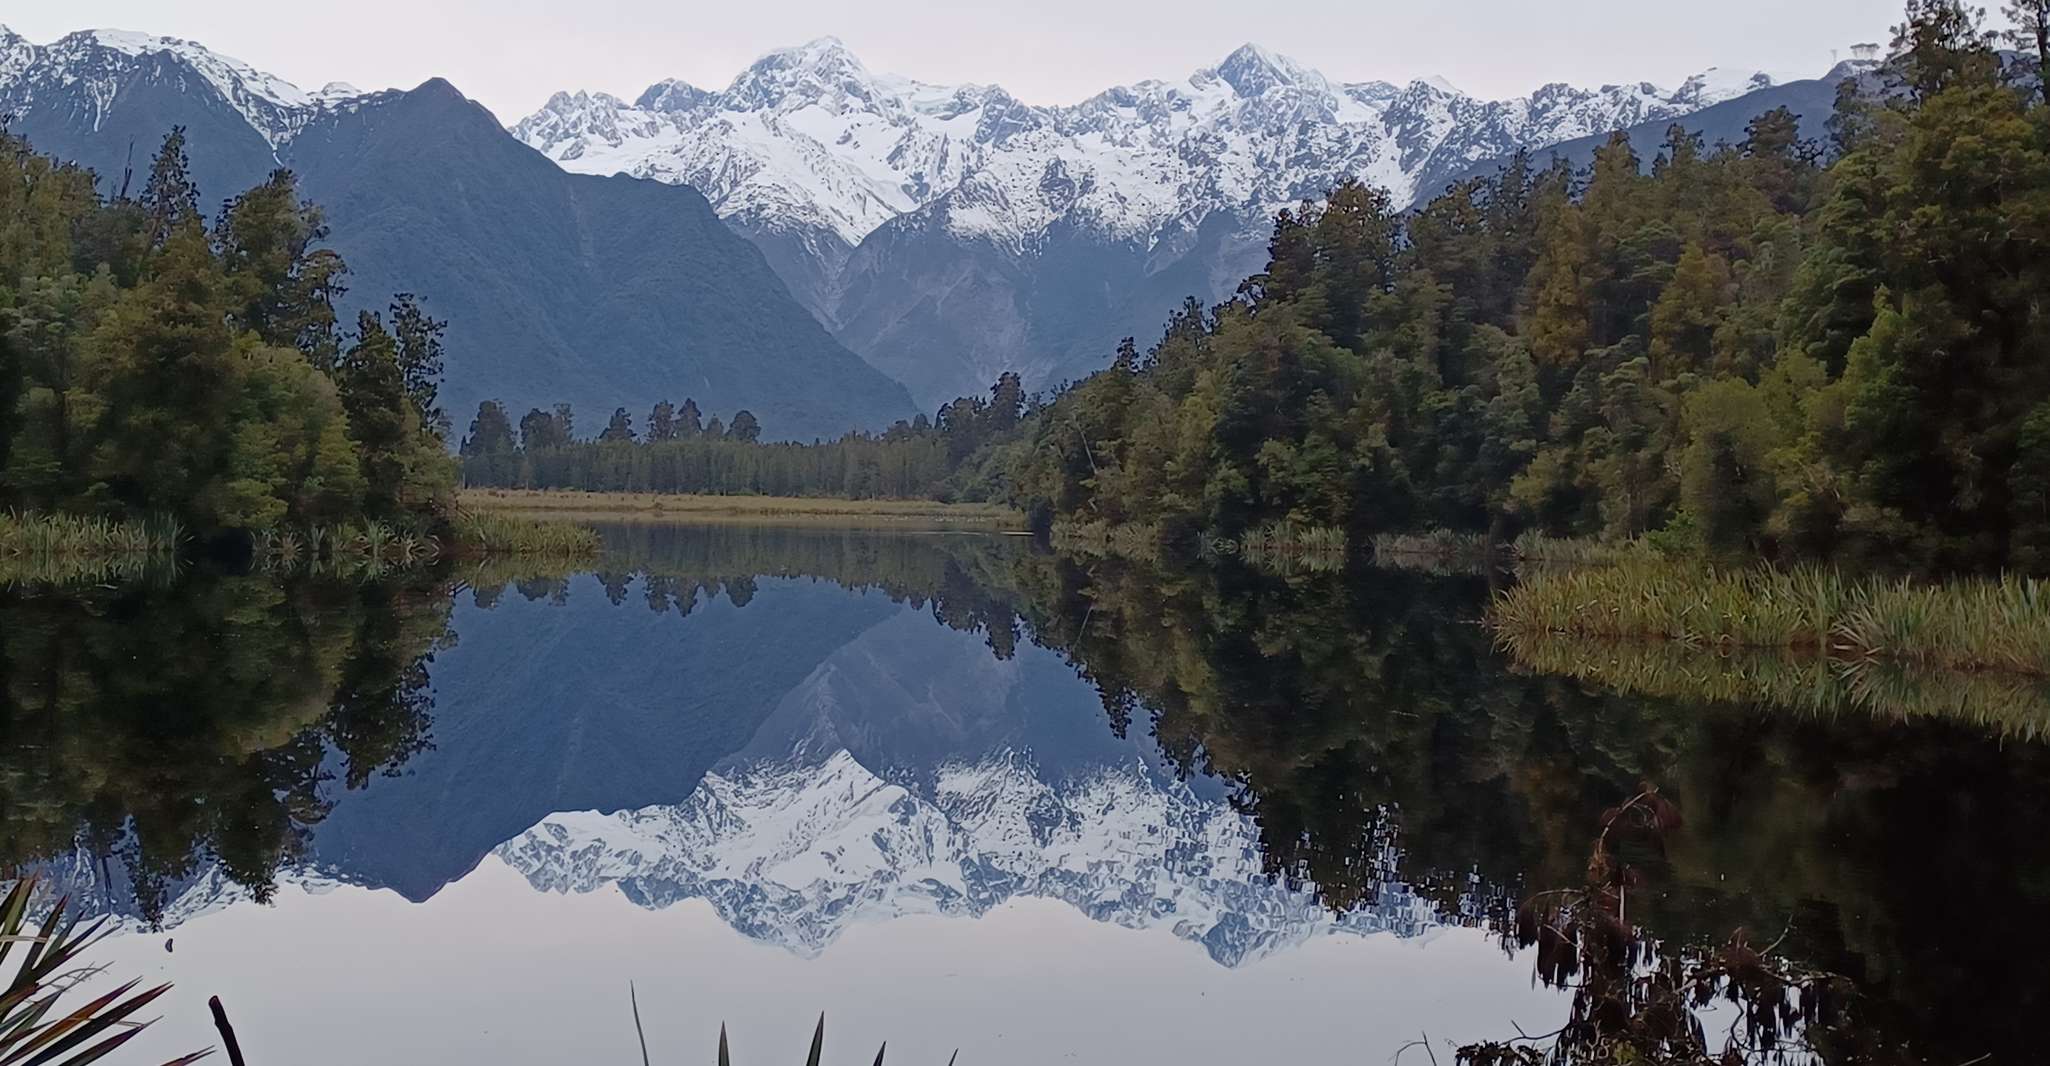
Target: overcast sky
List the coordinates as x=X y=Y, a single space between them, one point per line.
x=511 y=54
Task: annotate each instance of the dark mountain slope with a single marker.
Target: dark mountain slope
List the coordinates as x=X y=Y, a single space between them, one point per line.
x=596 y=291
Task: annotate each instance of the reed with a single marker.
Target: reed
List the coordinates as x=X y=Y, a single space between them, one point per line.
x=1978 y=625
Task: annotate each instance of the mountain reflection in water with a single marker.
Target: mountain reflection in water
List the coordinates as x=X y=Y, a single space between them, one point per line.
x=840 y=744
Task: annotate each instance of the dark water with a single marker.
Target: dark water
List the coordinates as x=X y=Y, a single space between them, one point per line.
x=955 y=792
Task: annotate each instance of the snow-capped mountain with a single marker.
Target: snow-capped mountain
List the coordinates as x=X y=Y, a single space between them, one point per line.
x=949 y=233
x=92 y=66
x=793 y=852
x=809 y=137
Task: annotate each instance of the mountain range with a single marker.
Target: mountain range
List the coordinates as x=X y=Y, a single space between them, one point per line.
x=944 y=234
x=949 y=233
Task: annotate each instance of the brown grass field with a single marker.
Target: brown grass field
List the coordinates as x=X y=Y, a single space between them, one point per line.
x=765 y=510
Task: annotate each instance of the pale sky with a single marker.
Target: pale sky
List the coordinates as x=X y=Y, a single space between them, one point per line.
x=511 y=54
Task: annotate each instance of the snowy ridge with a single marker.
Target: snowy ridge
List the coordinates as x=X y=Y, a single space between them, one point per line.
x=809 y=138
x=792 y=852
x=100 y=61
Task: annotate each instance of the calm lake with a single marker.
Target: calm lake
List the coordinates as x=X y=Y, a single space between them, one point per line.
x=955 y=791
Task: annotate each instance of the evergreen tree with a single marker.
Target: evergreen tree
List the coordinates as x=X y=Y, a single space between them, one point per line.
x=715 y=429
x=745 y=428
x=689 y=422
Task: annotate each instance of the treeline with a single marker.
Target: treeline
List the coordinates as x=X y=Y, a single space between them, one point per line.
x=153 y=365
x=676 y=451
x=1745 y=350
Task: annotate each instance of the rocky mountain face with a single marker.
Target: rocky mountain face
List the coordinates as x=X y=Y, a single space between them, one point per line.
x=948 y=233
x=600 y=291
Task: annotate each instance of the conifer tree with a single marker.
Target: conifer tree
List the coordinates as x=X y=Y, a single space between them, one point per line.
x=745 y=429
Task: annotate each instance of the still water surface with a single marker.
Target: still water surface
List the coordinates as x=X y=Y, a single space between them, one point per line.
x=954 y=792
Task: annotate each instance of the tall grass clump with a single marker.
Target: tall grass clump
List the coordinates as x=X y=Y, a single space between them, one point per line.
x=1282 y=548
x=492 y=533
x=1973 y=625
x=367 y=549
x=1130 y=540
x=65 y=549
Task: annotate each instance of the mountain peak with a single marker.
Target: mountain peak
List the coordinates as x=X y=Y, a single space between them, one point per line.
x=671 y=94
x=1251 y=70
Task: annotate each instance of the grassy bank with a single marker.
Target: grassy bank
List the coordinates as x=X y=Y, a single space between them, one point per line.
x=1965 y=626
x=772 y=510
x=64 y=549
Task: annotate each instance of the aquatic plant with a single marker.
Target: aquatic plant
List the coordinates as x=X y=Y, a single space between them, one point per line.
x=1130 y=540
x=485 y=533
x=73 y=549
x=1974 y=625
x=31 y=1030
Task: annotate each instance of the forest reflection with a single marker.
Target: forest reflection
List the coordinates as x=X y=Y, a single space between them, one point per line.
x=1362 y=719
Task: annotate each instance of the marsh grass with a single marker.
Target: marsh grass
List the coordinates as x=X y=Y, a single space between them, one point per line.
x=69 y=549
x=493 y=533
x=1976 y=625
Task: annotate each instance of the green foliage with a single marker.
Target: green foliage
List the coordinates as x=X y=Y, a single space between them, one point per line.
x=150 y=366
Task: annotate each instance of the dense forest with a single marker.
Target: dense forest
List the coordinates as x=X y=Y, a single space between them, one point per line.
x=675 y=450
x=154 y=365
x=1739 y=349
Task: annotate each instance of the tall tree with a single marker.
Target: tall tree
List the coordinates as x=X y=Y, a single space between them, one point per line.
x=417 y=339
x=169 y=196
x=491 y=432
x=662 y=423
x=745 y=428
x=285 y=289
x=620 y=430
